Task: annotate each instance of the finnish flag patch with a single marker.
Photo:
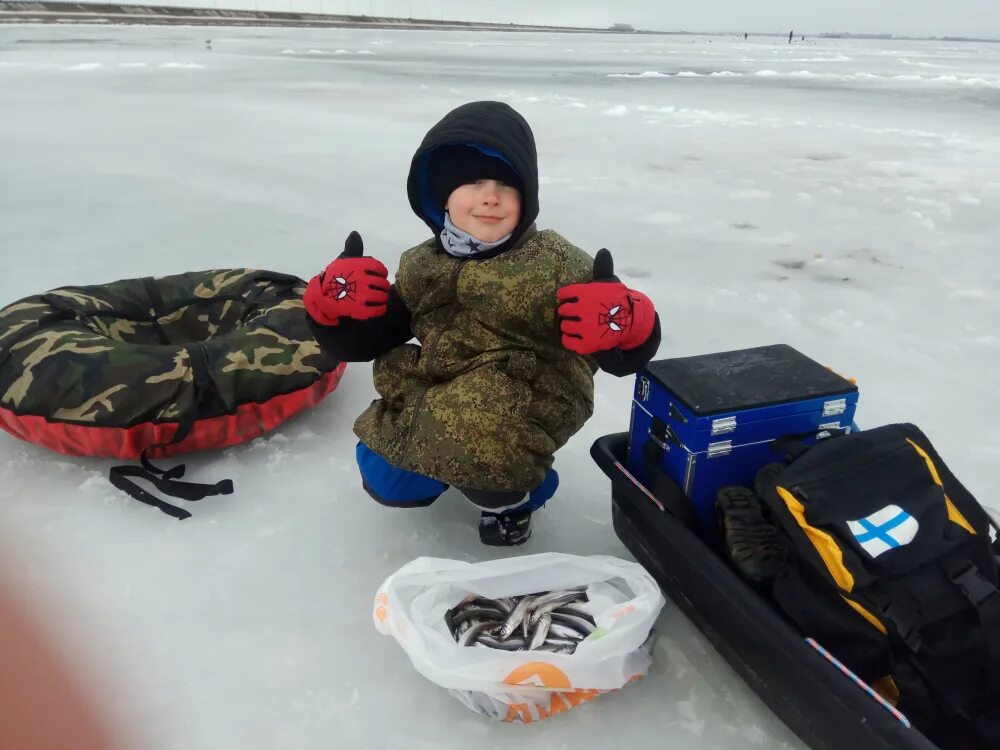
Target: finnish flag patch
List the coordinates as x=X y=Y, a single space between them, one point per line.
x=884 y=530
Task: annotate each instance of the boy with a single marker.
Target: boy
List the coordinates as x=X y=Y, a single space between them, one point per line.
x=512 y=324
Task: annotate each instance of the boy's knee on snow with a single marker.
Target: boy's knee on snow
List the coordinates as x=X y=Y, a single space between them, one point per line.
x=392 y=486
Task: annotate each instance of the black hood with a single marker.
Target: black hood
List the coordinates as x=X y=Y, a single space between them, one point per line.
x=496 y=130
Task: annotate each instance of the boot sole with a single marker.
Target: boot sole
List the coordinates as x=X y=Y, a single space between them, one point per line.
x=750 y=543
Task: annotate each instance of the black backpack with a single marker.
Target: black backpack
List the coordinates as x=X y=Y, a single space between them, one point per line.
x=892 y=567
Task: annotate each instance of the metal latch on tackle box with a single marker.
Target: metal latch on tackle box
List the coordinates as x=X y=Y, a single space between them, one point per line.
x=721 y=448
x=835 y=407
x=723 y=425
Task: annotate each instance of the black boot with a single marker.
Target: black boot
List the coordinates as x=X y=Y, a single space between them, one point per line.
x=504 y=529
x=752 y=544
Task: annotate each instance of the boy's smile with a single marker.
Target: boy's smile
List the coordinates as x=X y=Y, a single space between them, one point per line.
x=487 y=209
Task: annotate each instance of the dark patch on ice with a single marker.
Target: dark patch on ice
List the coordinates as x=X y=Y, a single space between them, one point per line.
x=825 y=157
x=635 y=273
x=791 y=265
x=56 y=42
x=866 y=253
x=828 y=279
x=743 y=225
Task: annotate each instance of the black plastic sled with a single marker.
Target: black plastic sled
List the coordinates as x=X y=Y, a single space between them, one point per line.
x=821 y=702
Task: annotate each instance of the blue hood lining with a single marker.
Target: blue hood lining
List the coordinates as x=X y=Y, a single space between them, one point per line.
x=432 y=212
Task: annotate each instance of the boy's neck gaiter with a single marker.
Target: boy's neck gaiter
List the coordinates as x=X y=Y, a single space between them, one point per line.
x=460 y=244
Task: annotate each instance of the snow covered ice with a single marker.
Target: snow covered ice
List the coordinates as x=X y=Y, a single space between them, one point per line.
x=839 y=196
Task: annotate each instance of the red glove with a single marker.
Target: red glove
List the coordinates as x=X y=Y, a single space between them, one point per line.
x=352 y=286
x=604 y=313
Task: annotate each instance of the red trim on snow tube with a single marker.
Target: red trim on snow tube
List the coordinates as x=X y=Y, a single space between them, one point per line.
x=249 y=421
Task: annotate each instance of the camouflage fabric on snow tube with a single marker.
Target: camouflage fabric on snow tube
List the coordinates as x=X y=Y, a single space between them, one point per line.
x=199 y=360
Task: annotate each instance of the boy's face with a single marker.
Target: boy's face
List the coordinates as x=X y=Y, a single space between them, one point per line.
x=487 y=209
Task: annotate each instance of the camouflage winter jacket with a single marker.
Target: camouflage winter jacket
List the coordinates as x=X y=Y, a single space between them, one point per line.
x=490 y=394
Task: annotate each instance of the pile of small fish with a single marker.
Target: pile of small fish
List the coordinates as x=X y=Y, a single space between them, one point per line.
x=555 y=622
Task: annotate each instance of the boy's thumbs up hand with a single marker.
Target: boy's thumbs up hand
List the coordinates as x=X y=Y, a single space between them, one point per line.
x=604 y=266
x=354 y=246
x=603 y=313
x=352 y=286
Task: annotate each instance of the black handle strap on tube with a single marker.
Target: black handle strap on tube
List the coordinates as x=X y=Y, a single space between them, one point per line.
x=122 y=476
x=166 y=481
x=157 y=307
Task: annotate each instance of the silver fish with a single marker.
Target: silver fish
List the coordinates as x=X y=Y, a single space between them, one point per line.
x=469 y=635
x=552 y=606
x=585 y=627
x=480 y=612
x=541 y=631
x=512 y=644
x=554 y=649
x=559 y=630
x=503 y=605
x=515 y=618
x=564 y=595
x=572 y=609
x=552 y=621
x=552 y=641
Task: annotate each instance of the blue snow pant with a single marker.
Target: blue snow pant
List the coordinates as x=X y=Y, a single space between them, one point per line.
x=400 y=488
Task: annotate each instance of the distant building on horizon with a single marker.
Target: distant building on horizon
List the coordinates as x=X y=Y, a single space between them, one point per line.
x=622 y=27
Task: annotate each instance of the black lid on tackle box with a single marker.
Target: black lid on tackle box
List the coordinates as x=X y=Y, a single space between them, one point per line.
x=746 y=379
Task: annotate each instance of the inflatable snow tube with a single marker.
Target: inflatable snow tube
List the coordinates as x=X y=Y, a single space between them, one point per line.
x=159 y=365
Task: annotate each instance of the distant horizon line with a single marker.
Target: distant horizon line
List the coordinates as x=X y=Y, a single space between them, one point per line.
x=502 y=24
x=828 y=35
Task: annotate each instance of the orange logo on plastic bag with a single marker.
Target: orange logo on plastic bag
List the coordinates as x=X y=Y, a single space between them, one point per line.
x=541 y=674
x=381 y=600
x=626 y=610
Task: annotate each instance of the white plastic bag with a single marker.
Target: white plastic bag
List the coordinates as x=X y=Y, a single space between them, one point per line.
x=522 y=685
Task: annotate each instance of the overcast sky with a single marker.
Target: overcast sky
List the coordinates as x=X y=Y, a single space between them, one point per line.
x=916 y=17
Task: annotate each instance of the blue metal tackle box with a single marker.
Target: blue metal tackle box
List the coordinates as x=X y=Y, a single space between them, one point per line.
x=712 y=418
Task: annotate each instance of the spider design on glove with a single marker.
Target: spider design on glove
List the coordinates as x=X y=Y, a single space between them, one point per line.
x=340 y=287
x=617 y=319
